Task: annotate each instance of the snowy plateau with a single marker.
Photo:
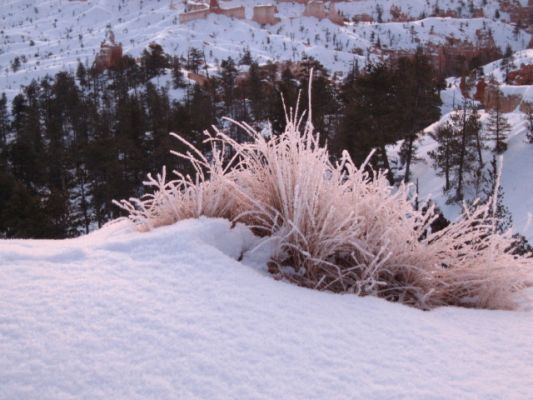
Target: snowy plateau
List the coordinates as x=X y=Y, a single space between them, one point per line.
x=189 y=311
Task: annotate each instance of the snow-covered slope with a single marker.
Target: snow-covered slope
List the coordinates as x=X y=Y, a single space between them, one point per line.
x=54 y=35
x=517 y=173
x=496 y=70
x=171 y=314
x=515 y=181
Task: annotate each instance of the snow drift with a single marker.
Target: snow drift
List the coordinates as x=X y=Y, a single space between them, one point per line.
x=172 y=314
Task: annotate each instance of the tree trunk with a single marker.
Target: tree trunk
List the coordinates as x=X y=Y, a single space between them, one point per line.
x=460 y=171
x=386 y=165
x=410 y=141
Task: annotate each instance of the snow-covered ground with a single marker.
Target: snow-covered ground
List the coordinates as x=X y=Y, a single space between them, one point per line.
x=172 y=314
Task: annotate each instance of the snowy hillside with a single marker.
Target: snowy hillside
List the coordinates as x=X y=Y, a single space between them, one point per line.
x=172 y=314
x=516 y=177
x=497 y=71
x=55 y=35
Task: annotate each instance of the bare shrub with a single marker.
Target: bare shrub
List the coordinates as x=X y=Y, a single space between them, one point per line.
x=338 y=227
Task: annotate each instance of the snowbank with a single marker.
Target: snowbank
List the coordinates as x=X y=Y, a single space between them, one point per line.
x=172 y=314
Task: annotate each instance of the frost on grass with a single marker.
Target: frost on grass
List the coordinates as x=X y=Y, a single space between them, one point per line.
x=337 y=226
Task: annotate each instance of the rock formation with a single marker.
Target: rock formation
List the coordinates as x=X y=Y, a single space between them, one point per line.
x=266 y=14
x=110 y=53
x=197 y=12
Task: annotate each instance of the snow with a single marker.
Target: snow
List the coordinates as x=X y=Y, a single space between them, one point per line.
x=173 y=314
x=495 y=69
x=67 y=32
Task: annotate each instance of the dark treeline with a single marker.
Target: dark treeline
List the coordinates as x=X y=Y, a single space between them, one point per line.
x=72 y=143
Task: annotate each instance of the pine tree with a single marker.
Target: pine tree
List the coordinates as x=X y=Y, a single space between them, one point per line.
x=26 y=152
x=201 y=110
x=195 y=59
x=286 y=88
x=521 y=246
x=379 y=12
x=255 y=92
x=177 y=74
x=370 y=113
x=474 y=124
x=445 y=155
x=500 y=212
x=325 y=103
x=499 y=128
x=61 y=109
x=228 y=75
x=466 y=123
x=529 y=120
x=21 y=214
x=81 y=74
x=418 y=101
x=154 y=61
x=459 y=150
x=246 y=58
x=4 y=130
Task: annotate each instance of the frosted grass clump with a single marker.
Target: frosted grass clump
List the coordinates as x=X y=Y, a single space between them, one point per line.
x=337 y=226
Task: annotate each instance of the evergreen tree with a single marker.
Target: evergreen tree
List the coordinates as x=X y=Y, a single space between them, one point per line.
x=4 y=130
x=499 y=128
x=529 y=120
x=61 y=108
x=445 y=155
x=504 y=219
x=158 y=142
x=256 y=93
x=379 y=13
x=521 y=246
x=286 y=90
x=21 y=214
x=130 y=75
x=325 y=103
x=195 y=59
x=228 y=74
x=466 y=124
x=458 y=151
x=27 y=149
x=246 y=58
x=153 y=61
x=81 y=74
x=370 y=115
x=201 y=110
x=418 y=101
x=177 y=74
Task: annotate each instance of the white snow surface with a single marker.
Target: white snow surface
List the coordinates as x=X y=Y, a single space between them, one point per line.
x=172 y=314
